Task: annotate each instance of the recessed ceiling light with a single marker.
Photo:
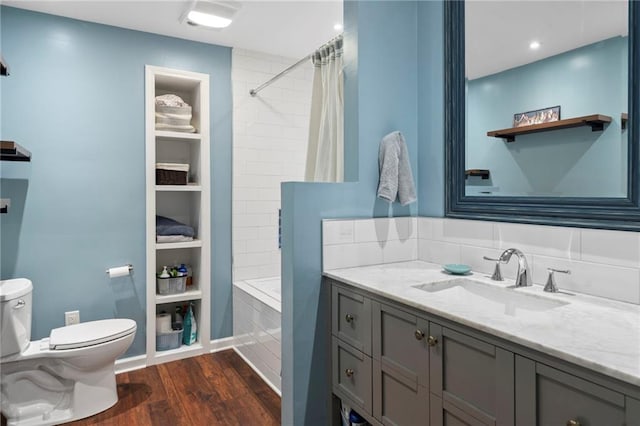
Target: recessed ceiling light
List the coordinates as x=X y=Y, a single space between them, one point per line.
x=534 y=45
x=211 y=14
x=338 y=27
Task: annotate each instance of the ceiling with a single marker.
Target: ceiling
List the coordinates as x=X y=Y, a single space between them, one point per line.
x=498 y=33
x=286 y=28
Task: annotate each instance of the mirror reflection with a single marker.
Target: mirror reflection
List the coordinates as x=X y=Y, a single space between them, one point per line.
x=546 y=98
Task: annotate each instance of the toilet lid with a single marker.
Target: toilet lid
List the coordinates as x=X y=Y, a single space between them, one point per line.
x=90 y=333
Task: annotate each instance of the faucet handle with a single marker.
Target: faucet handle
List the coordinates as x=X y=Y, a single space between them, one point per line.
x=551 y=286
x=497 y=273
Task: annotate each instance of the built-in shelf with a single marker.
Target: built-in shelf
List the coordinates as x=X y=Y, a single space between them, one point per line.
x=11 y=151
x=177 y=135
x=624 y=117
x=191 y=187
x=483 y=173
x=186 y=244
x=182 y=352
x=180 y=297
x=595 y=121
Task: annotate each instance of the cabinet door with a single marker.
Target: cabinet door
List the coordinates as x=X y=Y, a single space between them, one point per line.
x=400 y=343
x=445 y=413
x=546 y=396
x=398 y=400
x=472 y=376
x=351 y=374
x=351 y=318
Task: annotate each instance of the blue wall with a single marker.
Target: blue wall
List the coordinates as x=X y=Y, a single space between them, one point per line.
x=75 y=98
x=387 y=53
x=569 y=156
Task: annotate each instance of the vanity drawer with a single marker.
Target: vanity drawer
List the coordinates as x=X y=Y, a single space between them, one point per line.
x=351 y=318
x=546 y=396
x=351 y=374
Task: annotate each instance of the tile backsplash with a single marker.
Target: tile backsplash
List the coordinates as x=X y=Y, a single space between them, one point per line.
x=602 y=263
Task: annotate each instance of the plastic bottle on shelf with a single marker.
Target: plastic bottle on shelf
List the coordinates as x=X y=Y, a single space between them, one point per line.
x=164 y=273
x=356 y=419
x=178 y=315
x=190 y=327
x=182 y=270
x=189 y=275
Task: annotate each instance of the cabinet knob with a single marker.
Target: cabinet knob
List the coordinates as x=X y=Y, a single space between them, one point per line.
x=432 y=341
x=348 y=318
x=419 y=334
x=348 y=372
x=573 y=422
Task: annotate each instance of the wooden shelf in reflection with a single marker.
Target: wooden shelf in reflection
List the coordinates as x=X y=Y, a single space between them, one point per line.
x=595 y=121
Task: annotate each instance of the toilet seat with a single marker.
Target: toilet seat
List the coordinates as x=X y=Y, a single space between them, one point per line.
x=90 y=333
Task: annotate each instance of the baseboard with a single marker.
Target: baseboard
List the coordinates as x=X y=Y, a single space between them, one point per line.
x=253 y=367
x=131 y=363
x=222 y=344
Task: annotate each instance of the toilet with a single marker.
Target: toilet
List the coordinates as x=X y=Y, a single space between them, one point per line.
x=66 y=376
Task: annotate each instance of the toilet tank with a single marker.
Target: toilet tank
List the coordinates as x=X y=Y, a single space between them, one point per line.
x=15 y=315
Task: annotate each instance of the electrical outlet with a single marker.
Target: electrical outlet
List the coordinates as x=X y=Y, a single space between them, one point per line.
x=71 y=317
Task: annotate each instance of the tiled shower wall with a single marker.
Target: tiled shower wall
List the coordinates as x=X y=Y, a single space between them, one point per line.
x=602 y=263
x=270 y=134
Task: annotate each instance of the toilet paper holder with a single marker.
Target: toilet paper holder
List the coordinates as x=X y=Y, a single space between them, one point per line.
x=111 y=270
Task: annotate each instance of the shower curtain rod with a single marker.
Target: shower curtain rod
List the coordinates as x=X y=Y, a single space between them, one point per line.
x=281 y=74
x=278 y=76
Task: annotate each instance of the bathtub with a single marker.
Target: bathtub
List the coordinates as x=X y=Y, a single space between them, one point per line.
x=257 y=326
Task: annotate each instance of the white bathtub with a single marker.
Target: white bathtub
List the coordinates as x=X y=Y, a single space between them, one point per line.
x=257 y=326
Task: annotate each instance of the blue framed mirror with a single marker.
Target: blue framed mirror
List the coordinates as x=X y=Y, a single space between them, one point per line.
x=550 y=136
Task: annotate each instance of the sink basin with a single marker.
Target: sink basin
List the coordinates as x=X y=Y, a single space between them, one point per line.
x=492 y=298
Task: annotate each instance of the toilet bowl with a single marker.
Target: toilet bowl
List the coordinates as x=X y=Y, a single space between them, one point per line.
x=66 y=376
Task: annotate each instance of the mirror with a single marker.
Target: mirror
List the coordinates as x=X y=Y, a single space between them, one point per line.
x=538 y=132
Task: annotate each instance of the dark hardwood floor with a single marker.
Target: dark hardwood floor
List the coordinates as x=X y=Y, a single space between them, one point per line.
x=214 y=389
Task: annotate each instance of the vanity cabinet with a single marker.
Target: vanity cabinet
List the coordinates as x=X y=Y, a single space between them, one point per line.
x=548 y=396
x=396 y=365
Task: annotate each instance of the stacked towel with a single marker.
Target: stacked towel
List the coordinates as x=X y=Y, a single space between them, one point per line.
x=173 y=114
x=396 y=179
x=169 y=230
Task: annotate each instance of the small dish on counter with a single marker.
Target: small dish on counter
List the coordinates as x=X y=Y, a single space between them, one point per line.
x=457 y=268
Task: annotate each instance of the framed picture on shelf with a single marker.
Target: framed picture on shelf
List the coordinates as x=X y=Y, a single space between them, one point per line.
x=539 y=116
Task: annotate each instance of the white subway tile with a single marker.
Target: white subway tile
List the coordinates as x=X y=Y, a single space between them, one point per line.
x=537 y=239
x=351 y=255
x=438 y=251
x=337 y=231
x=611 y=247
x=385 y=229
x=613 y=282
x=400 y=250
x=426 y=227
x=470 y=232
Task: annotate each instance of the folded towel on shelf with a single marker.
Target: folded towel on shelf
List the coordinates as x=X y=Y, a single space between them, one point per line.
x=396 y=179
x=172 y=238
x=167 y=226
x=173 y=114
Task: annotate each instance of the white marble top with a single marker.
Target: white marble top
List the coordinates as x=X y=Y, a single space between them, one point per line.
x=596 y=333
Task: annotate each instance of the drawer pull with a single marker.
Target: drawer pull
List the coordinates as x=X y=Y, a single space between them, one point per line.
x=348 y=318
x=573 y=423
x=348 y=372
x=432 y=341
x=419 y=334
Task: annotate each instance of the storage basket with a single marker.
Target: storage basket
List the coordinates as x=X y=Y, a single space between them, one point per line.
x=172 y=285
x=172 y=174
x=169 y=340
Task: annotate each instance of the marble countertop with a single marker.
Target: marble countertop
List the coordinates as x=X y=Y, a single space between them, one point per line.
x=600 y=334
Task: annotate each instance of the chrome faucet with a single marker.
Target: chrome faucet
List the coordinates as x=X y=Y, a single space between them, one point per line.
x=523 y=276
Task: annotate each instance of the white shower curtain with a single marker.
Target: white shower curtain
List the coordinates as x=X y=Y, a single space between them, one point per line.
x=325 y=154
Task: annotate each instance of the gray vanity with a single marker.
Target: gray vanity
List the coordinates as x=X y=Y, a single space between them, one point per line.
x=413 y=346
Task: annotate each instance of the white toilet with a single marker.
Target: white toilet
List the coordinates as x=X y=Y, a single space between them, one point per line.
x=67 y=376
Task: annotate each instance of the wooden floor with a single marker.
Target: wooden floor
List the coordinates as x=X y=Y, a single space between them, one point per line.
x=214 y=389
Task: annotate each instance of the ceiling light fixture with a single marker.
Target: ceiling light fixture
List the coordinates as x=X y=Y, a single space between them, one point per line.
x=338 y=27
x=534 y=45
x=211 y=14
